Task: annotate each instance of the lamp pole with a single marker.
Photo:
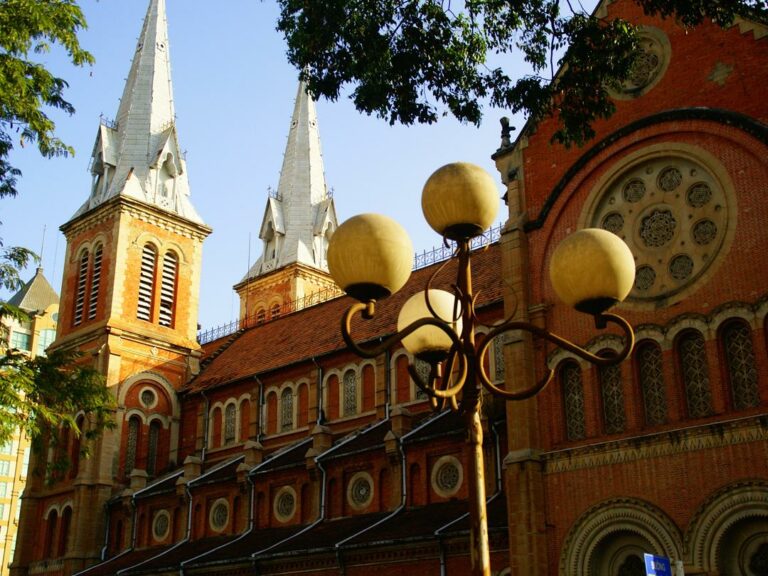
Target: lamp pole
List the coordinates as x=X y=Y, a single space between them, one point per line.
x=369 y=257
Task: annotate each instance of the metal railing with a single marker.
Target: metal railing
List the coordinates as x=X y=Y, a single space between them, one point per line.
x=420 y=260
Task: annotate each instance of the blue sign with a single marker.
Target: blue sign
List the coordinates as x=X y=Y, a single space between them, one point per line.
x=657 y=565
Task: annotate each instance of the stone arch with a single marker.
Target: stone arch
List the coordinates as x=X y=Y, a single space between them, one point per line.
x=734 y=510
x=611 y=519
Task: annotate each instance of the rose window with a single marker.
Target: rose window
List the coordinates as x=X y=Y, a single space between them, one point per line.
x=360 y=490
x=673 y=213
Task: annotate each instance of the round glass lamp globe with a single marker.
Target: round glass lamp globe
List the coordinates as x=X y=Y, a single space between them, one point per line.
x=429 y=342
x=460 y=201
x=592 y=269
x=370 y=257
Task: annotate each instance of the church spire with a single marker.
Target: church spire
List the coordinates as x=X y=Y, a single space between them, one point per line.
x=300 y=216
x=138 y=155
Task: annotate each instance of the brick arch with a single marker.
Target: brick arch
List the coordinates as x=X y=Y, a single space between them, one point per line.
x=609 y=518
x=721 y=511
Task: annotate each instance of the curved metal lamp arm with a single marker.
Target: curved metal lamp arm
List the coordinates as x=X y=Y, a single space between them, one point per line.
x=601 y=321
x=368 y=310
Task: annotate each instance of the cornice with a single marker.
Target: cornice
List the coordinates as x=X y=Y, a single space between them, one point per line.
x=140 y=211
x=659 y=445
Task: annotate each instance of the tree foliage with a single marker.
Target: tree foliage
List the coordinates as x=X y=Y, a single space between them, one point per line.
x=413 y=60
x=27 y=88
x=41 y=397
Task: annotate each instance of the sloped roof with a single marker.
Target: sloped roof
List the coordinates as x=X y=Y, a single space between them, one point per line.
x=37 y=294
x=171 y=557
x=314 y=332
x=243 y=546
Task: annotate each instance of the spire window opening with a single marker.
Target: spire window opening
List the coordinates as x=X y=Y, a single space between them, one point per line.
x=168 y=289
x=82 y=285
x=95 y=283
x=147 y=283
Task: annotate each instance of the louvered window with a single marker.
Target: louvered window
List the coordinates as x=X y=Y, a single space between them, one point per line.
x=693 y=363
x=168 y=289
x=146 y=282
x=613 y=399
x=651 y=375
x=95 y=283
x=152 y=444
x=350 y=393
x=82 y=284
x=230 y=417
x=573 y=400
x=286 y=410
x=742 y=369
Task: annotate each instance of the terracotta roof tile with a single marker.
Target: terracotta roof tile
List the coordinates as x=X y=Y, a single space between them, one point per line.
x=292 y=455
x=365 y=439
x=314 y=331
x=161 y=485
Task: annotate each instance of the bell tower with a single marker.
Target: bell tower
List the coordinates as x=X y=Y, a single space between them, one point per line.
x=129 y=302
x=298 y=221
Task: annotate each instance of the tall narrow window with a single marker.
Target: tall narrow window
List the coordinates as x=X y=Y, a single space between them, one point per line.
x=498 y=358
x=66 y=520
x=573 y=401
x=50 y=534
x=693 y=364
x=168 y=289
x=651 y=378
x=230 y=423
x=286 y=410
x=153 y=441
x=350 y=393
x=742 y=370
x=146 y=282
x=82 y=285
x=134 y=425
x=93 y=300
x=613 y=399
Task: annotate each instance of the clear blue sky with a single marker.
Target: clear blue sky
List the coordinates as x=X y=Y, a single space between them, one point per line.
x=234 y=92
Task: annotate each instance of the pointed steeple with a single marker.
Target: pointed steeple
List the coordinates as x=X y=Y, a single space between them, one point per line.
x=138 y=155
x=300 y=216
x=36 y=295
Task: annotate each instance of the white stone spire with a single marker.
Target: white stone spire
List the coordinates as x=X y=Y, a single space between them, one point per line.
x=300 y=216
x=138 y=155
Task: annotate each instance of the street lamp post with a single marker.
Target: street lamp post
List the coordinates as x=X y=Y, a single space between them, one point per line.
x=370 y=258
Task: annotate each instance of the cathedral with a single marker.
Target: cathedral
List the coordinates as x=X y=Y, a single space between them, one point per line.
x=274 y=449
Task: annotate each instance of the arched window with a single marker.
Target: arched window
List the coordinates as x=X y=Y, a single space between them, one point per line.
x=573 y=401
x=168 y=289
x=740 y=360
x=350 y=393
x=650 y=375
x=261 y=316
x=230 y=423
x=82 y=286
x=153 y=441
x=131 y=448
x=147 y=283
x=95 y=283
x=693 y=367
x=612 y=396
x=274 y=312
x=50 y=534
x=286 y=410
x=66 y=520
x=74 y=455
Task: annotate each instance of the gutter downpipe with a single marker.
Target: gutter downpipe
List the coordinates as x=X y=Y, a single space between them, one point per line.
x=387 y=381
x=251 y=522
x=395 y=512
x=260 y=432
x=320 y=518
x=103 y=554
x=320 y=413
x=206 y=424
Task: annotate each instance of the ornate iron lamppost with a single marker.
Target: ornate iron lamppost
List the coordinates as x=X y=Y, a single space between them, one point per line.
x=370 y=258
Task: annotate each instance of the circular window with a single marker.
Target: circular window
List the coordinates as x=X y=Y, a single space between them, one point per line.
x=148 y=398
x=161 y=524
x=447 y=476
x=360 y=490
x=673 y=212
x=219 y=515
x=285 y=504
x=651 y=63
